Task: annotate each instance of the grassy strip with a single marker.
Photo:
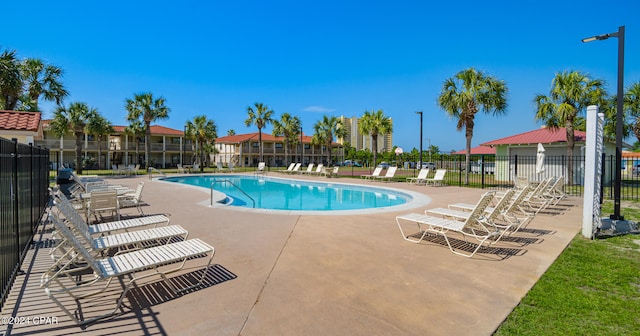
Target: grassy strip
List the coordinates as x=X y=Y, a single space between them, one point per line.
x=593 y=288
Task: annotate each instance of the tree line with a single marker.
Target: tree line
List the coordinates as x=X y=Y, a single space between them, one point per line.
x=23 y=83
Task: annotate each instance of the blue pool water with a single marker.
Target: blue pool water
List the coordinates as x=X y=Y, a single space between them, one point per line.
x=286 y=194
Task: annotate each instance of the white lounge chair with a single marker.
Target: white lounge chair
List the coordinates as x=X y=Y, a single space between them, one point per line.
x=376 y=173
x=113 y=226
x=309 y=169
x=219 y=167
x=438 y=178
x=135 y=239
x=181 y=169
x=129 y=267
x=261 y=168
x=491 y=214
x=296 y=168
x=421 y=178
x=513 y=217
x=102 y=201
x=536 y=201
x=134 y=199
x=85 y=178
x=318 y=170
x=475 y=226
x=391 y=172
x=289 y=169
x=554 y=191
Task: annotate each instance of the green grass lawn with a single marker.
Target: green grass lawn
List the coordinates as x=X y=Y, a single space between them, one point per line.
x=593 y=288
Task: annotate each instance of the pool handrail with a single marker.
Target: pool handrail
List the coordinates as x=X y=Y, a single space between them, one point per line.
x=233 y=184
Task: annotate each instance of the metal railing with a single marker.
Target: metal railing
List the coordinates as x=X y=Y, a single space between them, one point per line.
x=151 y=170
x=24 y=195
x=233 y=184
x=499 y=172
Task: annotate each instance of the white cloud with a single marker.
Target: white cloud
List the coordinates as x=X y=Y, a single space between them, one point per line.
x=320 y=109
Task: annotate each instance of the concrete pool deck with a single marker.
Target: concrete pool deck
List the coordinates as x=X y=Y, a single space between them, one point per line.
x=278 y=274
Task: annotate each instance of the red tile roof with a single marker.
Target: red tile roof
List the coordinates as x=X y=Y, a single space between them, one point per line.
x=543 y=135
x=627 y=154
x=19 y=120
x=480 y=150
x=238 y=138
x=155 y=129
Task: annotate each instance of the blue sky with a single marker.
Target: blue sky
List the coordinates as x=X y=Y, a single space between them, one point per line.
x=311 y=58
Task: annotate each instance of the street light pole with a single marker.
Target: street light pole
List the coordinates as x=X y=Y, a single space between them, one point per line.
x=619 y=117
x=420 y=113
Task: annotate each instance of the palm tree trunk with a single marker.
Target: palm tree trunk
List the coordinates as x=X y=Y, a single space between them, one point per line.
x=79 y=152
x=467 y=160
x=201 y=157
x=286 y=151
x=260 y=140
x=374 y=146
x=99 y=151
x=147 y=144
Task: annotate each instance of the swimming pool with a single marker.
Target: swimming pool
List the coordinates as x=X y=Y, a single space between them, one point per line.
x=263 y=192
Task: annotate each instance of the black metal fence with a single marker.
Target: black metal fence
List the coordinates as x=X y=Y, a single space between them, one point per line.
x=24 y=182
x=499 y=172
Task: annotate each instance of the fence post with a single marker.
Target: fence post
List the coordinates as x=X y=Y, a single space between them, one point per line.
x=14 y=195
x=482 y=170
x=460 y=172
x=32 y=189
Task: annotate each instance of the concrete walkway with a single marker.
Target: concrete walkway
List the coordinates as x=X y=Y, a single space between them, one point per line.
x=281 y=274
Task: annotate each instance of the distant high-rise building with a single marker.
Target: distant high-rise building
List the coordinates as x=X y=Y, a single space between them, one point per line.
x=364 y=141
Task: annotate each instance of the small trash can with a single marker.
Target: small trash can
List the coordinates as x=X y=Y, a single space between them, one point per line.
x=64 y=180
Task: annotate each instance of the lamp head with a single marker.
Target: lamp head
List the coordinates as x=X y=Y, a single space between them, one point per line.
x=599 y=37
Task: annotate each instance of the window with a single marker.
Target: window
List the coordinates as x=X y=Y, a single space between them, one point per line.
x=307 y=146
x=279 y=145
x=255 y=144
x=175 y=141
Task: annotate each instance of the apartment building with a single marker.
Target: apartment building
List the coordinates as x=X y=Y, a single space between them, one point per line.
x=244 y=150
x=168 y=148
x=363 y=141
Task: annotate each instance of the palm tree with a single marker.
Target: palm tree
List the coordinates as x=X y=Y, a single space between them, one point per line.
x=10 y=80
x=632 y=105
x=73 y=119
x=231 y=132
x=204 y=132
x=260 y=117
x=145 y=108
x=325 y=130
x=137 y=131
x=374 y=124
x=289 y=128
x=609 y=107
x=99 y=127
x=465 y=94
x=43 y=80
x=571 y=92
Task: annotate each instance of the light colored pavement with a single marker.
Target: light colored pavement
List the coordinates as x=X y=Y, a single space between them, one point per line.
x=281 y=274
